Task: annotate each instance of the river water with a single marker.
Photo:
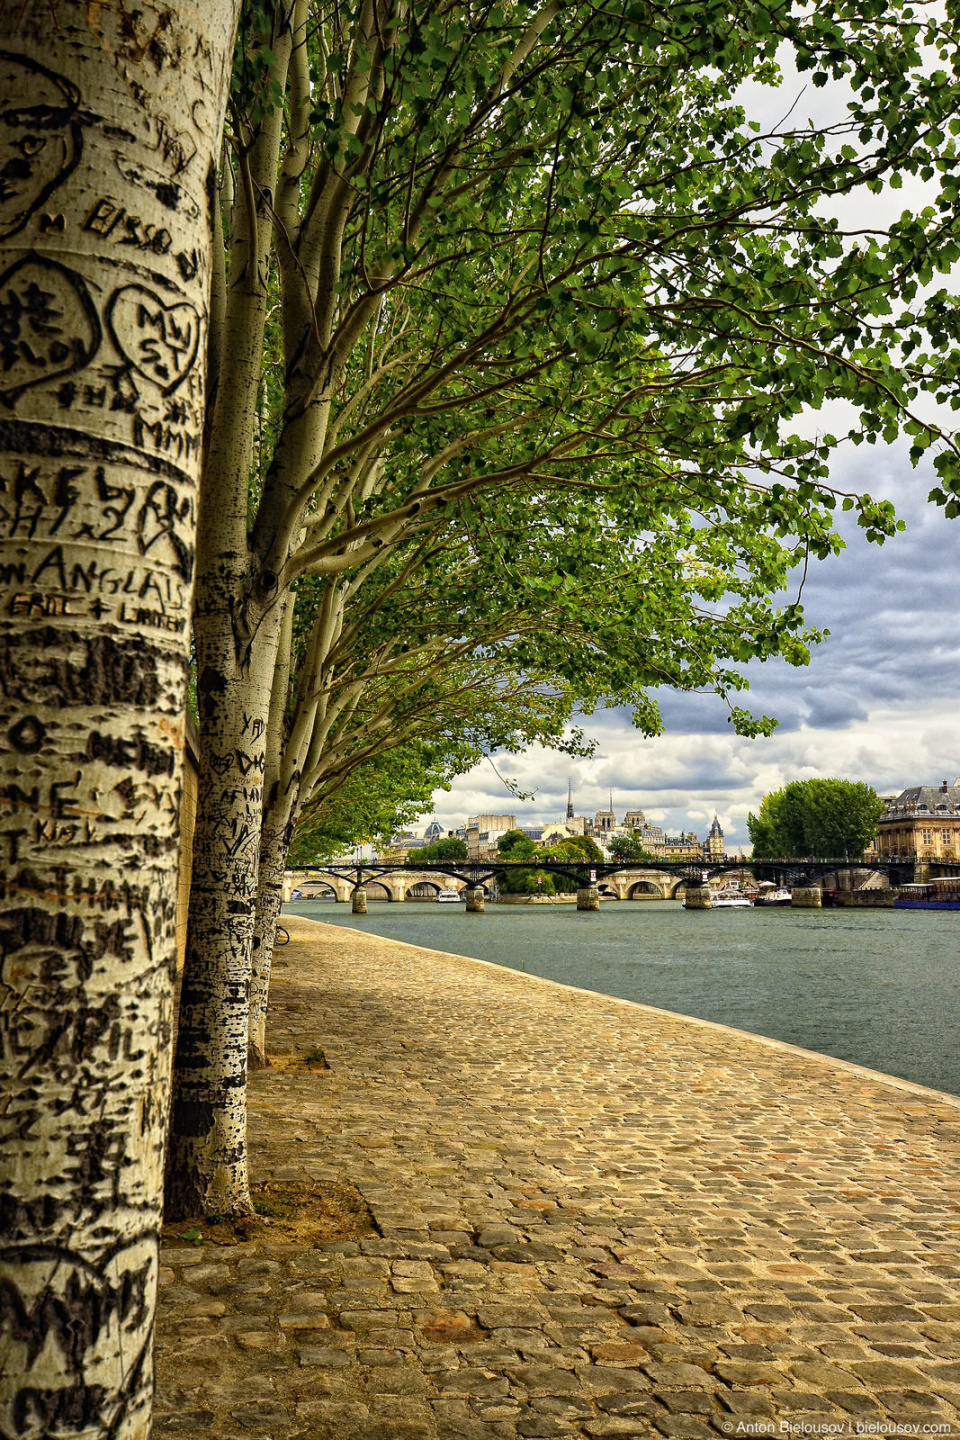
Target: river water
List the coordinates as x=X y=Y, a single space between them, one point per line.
x=879 y=987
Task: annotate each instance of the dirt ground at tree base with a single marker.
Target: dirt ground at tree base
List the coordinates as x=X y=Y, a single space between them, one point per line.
x=586 y=1218
x=303 y=1213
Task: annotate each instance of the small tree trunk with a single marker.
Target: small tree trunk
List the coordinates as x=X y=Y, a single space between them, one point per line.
x=273 y=860
x=236 y=622
x=110 y=129
x=207 y=1161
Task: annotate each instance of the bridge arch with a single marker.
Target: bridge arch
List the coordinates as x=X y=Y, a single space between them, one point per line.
x=420 y=888
x=636 y=888
x=378 y=889
x=316 y=880
x=678 y=886
x=316 y=890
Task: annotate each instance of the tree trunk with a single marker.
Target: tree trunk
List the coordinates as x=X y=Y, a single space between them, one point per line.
x=273 y=860
x=236 y=627
x=108 y=139
x=207 y=1160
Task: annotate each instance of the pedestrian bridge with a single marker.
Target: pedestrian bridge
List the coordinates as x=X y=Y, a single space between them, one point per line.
x=382 y=883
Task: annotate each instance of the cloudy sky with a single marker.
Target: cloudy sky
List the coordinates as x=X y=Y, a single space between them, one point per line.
x=878 y=701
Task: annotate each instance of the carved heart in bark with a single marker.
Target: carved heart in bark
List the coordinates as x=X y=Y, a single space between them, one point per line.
x=159 y=341
x=48 y=325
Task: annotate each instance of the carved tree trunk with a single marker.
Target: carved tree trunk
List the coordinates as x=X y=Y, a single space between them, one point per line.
x=237 y=619
x=207 y=1161
x=273 y=859
x=108 y=140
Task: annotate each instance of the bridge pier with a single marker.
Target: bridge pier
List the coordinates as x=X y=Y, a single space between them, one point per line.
x=697 y=897
x=474 y=897
x=359 y=901
x=806 y=897
x=588 y=898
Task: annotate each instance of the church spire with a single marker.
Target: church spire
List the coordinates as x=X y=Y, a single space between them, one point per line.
x=569 y=799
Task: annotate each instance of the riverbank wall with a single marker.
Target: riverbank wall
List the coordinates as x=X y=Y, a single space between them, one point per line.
x=588 y=1218
x=861 y=899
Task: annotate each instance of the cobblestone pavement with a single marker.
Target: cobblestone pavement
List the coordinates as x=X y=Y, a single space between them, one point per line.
x=594 y=1219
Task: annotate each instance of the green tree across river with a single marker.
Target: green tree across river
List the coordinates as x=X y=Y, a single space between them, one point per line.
x=828 y=819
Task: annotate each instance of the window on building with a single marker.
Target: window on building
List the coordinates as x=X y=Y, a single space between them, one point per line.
x=926 y=837
x=945 y=837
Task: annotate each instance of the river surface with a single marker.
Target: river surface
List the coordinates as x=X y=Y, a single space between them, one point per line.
x=879 y=987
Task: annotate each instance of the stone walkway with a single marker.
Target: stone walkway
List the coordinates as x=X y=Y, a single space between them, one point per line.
x=594 y=1219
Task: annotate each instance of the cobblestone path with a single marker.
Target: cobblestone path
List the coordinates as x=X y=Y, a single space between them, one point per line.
x=594 y=1219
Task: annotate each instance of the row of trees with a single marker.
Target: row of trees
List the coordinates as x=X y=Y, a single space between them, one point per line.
x=452 y=381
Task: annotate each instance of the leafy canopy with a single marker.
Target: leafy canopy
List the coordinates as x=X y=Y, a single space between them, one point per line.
x=450 y=847
x=374 y=800
x=826 y=819
x=548 y=305
x=514 y=845
x=629 y=847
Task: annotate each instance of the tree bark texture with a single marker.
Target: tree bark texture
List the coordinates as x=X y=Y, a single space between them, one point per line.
x=238 y=617
x=236 y=629
x=273 y=857
x=207 y=1160
x=109 y=133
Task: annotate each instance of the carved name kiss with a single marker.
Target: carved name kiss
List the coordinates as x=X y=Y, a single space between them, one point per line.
x=158 y=341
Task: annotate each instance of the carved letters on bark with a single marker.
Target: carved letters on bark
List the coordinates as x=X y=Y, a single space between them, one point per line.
x=109 y=130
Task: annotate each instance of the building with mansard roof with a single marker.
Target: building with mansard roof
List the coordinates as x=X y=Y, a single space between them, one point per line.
x=922 y=823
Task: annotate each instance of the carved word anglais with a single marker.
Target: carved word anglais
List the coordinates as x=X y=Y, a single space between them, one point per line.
x=54 y=570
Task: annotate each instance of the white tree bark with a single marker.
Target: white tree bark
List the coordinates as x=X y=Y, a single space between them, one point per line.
x=109 y=133
x=237 y=626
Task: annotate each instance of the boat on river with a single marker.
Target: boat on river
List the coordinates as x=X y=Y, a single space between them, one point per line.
x=934 y=895
x=780 y=896
x=730 y=900
x=448 y=897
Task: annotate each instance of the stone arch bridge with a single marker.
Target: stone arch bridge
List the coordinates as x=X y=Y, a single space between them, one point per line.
x=665 y=880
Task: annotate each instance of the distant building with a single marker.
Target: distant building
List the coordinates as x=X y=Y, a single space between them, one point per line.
x=654 y=840
x=483 y=832
x=605 y=821
x=434 y=831
x=922 y=823
x=503 y=823
x=400 y=846
x=571 y=824
x=714 y=847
